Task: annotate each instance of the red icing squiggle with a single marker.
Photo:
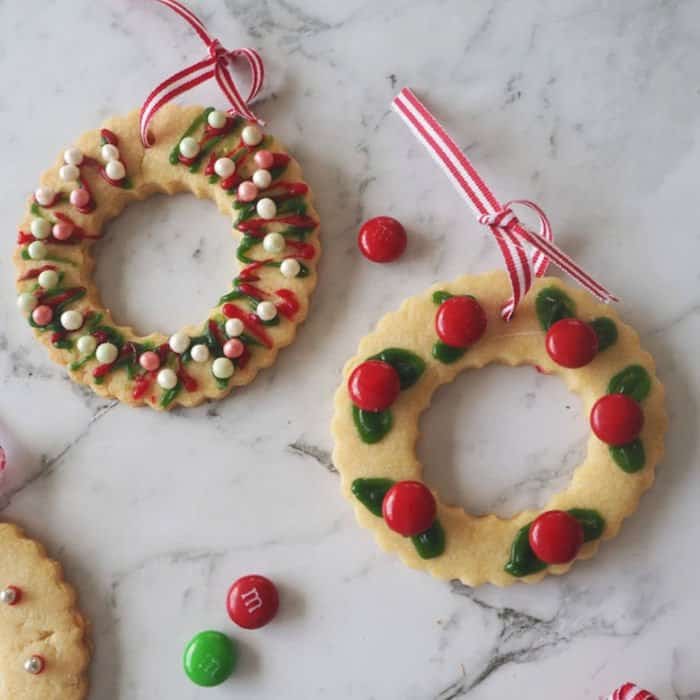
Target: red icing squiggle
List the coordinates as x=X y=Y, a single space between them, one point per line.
x=290 y=304
x=250 y=321
x=33 y=274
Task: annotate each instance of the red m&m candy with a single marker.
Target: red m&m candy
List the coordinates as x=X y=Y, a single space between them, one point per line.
x=460 y=321
x=409 y=508
x=571 y=343
x=382 y=239
x=252 y=601
x=374 y=385
x=616 y=419
x=556 y=537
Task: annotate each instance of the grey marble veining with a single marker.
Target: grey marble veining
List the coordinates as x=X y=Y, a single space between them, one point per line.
x=592 y=109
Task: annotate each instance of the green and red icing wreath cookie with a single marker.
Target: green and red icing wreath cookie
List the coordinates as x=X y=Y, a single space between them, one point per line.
x=458 y=326
x=251 y=178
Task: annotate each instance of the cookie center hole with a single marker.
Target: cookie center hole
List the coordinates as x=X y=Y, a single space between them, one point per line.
x=163 y=263
x=502 y=439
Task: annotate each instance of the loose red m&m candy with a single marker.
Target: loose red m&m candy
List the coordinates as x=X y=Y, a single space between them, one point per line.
x=556 y=537
x=460 y=321
x=616 y=419
x=571 y=343
x=374 y=385
x=252 y=601
x=382 y=239
x=409 y=508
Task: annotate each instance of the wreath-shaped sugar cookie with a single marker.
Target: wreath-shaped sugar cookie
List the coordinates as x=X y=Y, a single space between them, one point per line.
x=251 y=178
x=457 y=326
x=43 y=639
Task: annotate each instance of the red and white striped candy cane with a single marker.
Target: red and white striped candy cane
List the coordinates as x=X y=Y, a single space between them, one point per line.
x=629 y=691
x=505 y=226
x=215 y=66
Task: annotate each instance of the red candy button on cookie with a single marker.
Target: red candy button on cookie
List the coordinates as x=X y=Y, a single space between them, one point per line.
x=460 y=321
x=374 y=385
x=571 y=343
x=556 y=537
x=252 y=601
x=382 y=239
x=409 y=508
x=616 y=419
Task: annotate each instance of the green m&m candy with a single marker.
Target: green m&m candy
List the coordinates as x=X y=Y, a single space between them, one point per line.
x=210 y=658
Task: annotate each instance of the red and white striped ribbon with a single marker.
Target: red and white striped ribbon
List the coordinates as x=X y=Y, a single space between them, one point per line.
x=215 y=66
x=629 y=691
x=505 y=226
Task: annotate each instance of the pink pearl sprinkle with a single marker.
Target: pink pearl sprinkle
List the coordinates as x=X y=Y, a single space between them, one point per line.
x=264 y=159
x=62 y=230
x=247 y=191
x=42 y=315
x=233 y=348
x=149 y=361
x=80 y=197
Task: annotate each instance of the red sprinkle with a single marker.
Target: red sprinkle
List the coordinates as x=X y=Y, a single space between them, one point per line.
x=556 y=537
x=252 y=601
x=571 y=343
x=374 y=385
x=616 y=419
x=382 y=239
x=460 y=321
x=409 y=508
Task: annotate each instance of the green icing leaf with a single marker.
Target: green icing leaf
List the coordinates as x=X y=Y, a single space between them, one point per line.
x=167 y=398
x=633 y=381
x=295 y=205
x=174 y=156
x=552 y=305
x=606 y=330
x=523 y=561
x=592 y=521
x=408 y=365
x=63 y=344
x=371 y=492
x=440 y=296
x=630 y=458
x=431 y=543
x=372 y=426
x=446 y=353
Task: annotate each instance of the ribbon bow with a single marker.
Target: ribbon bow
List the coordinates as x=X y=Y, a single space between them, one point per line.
x=215 y=66
x=505 y=226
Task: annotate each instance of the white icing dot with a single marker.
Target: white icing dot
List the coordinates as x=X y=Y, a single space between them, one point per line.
x=73 y=156
x=234 y=327
x=266 y=208
x=290 y=267
x=199 y=353
x=224 y=167
x=69 y=173
x=44 y=195
x=106 y=353
x=40 y=228
x=37 y=250
x=222 y=368
x=266 y=310
x=216 y=119
x=71 y=320
x=48 y=279
x=274 y=243
x=179 y=342
x=115 y=170
x=86 y=344
x=251 y=135
x=27 y=302
x=167 y=379
x=262 y=179
x=109 y=152
x=189 y=147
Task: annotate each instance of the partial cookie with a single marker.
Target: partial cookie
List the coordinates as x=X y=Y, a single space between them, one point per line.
x=44 y=653
x=251 y=178
x=375 y=445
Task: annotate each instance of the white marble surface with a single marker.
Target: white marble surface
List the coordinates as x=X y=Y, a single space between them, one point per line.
x=591 y=108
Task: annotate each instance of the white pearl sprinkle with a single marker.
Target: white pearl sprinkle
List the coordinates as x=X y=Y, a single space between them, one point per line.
x=251 y=135
x=222 y=368
x=86 y=344
x=48 y=279
x=274 y=243
x=40 y=228
x=266 y=208
x=262 y=179
x=234 y=327
x=44 y=196
x=109 y=152
x=266 y=310
x=8 y=596
x=27 y=302
x=34 y=665
x=216 y=119
x=71 y=320
x=37 y=250
x=224 y=167
x=115 y=170
x=179 y=342
x=167 y=379
x=199 y=353
x=73 y=156
x=69 y=173
x=106 y=353
x=189 y=147
x=290 y=267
